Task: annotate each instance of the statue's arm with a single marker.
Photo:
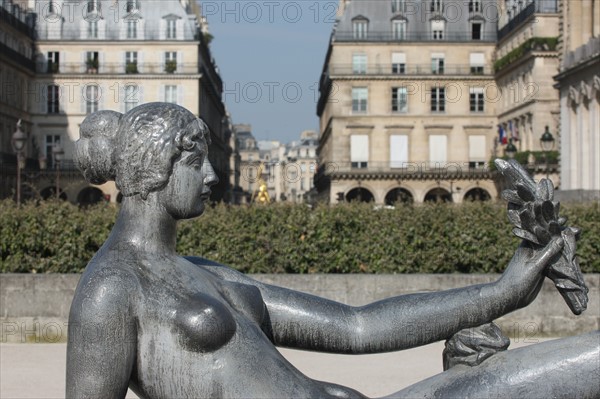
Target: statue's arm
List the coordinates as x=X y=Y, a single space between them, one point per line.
x=304 y=321
x=102 y=339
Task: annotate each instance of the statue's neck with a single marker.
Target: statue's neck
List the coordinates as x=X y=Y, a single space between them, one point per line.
x=144 y=225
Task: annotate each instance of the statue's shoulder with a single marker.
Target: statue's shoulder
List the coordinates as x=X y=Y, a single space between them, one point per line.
x=103 y=287
x=221 y=270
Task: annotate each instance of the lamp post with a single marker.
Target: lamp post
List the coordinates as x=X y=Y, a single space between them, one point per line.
x=547 y=144
x=57 y=154
x=19 y=140
x=510 y=149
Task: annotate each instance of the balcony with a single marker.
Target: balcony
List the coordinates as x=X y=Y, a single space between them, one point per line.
x=426 y=36
x=410 y=69
x=532 y=44
x=17 y=57
x=424 y=170
x=538 y=6
x=120 y=68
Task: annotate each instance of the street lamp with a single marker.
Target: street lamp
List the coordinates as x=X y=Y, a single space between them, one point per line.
x=547 y=144
x=57 y=155
x=19 y=140
x=510 y=149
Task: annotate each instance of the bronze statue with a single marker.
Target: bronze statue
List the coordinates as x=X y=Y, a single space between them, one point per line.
x=174 y=327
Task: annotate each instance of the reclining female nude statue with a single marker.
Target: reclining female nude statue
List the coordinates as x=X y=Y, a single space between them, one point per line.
x=185 y=327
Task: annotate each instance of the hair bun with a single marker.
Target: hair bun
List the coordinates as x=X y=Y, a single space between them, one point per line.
x=94 y=151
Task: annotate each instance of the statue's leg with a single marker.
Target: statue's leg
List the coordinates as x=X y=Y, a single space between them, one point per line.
x=562 y=368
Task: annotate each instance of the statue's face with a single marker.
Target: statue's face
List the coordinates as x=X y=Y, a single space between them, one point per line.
x=189 y=185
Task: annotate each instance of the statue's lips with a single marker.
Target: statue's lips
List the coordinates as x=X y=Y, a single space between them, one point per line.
x=205 y=195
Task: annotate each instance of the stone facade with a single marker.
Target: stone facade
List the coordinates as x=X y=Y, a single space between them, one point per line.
x=405 y=110
x=17 y=71
x=578 y=81
x=102 y=54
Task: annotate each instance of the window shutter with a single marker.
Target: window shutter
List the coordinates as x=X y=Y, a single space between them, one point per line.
x=161 y=93
x=101 y=29
x=359 y=148
x=477 y=150
x=398 y=58
x=101 y=66
x=123 y=28
x=43 y=99
x=437 y=148
x=140 y=61
x=179 y=26
x=180 y=97
x=477 y=59
x=398 y=151
x=140 y=94
x=180 y=61
x=141 y=31
x=83 y=29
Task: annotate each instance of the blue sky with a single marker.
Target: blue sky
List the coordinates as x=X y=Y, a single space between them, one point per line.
x=270 y=55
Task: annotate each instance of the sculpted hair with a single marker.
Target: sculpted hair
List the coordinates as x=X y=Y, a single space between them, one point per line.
x=137 y=150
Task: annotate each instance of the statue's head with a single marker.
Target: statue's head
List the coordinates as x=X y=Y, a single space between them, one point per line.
x=139 y=149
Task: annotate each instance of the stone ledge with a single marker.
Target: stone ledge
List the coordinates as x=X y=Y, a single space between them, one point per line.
x=35 y=307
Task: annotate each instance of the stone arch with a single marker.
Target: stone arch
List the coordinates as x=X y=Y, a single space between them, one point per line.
x=477 y=194
x=438 y=194
x=359 y=194
x=399 y=194
x=90 y=196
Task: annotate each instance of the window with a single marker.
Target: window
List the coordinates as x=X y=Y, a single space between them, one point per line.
x=51 y=141
x=171 y=94
x=91 y=98
x=52 y=7
x=438 y=99
x=475 y=6
x=132 y=6
x=131 y=97
x=476 y=31
x=436 y=6
x=438 y=148
x=398 y=6
x=437 y=29
x=477 y=61
x=93 y=6
x=131 y=59
x=359 y=63
x=359 y=151
x=477 y=152
x=476 y=99
x=53 y=95
x=91 y=61
x=399 y=99
x=398 y=151
x=359 y=29
x=53 y=61
x=399 y=30
x=398 y=63
x=131 y=29
x=92 y=30
x=437 y=63
x=359 y=99
x=171 y=29
x=170 y=61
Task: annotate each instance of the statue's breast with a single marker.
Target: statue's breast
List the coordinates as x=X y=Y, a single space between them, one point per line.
x=202 y=323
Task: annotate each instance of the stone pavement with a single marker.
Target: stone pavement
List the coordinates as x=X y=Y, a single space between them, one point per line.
x=38 y=370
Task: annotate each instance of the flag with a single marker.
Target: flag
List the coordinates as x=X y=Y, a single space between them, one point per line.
x=502 y=135
x=515 y=135
x=510 y=129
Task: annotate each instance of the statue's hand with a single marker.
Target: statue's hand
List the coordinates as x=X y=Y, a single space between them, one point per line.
x=535 y=215
x=525 y=273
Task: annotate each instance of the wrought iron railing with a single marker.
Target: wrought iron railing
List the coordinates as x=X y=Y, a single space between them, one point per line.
x=409 y=69
x=116 y=68
x=425 y=36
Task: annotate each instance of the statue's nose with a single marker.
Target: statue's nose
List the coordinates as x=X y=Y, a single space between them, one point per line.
x=210 y=177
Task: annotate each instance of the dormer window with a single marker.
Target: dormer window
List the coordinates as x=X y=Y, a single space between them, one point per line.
x=437 y=29
x=475 y=6
x=398 y=6
x=132 y=6
x=437 y=6
x=93 y=6
x=399 y=29
x=132 y=28
x=171 y=29
x=360 y=28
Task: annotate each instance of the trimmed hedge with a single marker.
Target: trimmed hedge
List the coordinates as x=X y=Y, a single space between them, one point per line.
x=57 y=237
